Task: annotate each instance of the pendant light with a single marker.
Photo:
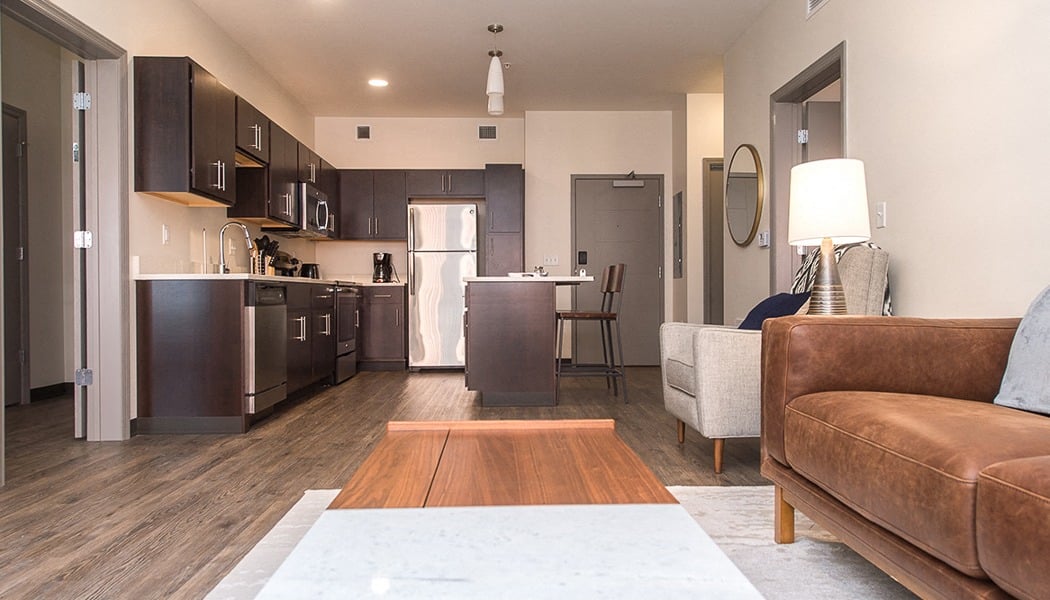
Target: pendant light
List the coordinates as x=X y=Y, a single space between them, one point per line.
x=494 y=86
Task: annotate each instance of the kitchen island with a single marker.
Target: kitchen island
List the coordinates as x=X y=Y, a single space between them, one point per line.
x=511 y=331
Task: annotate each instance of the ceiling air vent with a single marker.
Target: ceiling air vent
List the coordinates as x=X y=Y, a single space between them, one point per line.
x=486 y=132
x=364 y=132
x=813 y=6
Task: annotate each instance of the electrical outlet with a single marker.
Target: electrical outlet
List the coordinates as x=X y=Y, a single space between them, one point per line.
x=165 y=235
x=550 y=260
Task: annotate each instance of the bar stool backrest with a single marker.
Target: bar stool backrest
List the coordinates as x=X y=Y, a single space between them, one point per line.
x=612 y=287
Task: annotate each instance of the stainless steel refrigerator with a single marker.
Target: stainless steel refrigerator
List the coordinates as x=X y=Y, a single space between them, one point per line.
x=442 y=250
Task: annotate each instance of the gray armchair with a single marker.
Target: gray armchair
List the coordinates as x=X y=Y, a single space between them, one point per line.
x=711 y=374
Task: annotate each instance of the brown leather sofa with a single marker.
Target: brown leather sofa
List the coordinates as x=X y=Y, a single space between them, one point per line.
x=882 y=429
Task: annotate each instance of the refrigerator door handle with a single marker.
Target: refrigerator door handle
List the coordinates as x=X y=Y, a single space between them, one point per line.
x=411 y=228
x=411 y=274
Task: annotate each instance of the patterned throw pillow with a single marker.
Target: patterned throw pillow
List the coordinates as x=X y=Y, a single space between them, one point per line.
x=1026 y=383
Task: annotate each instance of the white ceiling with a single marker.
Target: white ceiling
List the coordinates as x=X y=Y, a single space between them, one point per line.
x=564 y=54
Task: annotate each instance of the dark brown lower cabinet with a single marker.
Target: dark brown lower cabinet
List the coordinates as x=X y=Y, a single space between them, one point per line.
x=311 y=337
x=504 y=253
x=190 y=337
x=510 y=342
x=382 y=338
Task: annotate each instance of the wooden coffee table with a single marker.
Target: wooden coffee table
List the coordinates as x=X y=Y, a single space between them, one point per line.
x=488 y=463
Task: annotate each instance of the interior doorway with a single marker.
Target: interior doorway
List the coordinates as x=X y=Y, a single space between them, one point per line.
x=714 y=225
x=620 y=220
x=808 y=123
x=96 y=172
x=15 y=271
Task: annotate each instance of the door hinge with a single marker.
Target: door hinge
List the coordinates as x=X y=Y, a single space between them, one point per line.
x=83 y=377
x=76 y=152
x=660 y=201
x=83 y=239
x=660 y=272
x=20 y=149
x=81 y=100
x=22 y=357
x=20 y=253
x=803 y=136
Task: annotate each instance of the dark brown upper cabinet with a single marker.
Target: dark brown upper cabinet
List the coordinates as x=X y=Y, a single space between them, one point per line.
x=373 y=205
x=439 y=183
x=504 y=198
x=185 y=132
x=267 y=196
x=253 y=133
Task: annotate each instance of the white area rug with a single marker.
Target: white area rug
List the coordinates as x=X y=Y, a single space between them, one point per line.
x=739 y=519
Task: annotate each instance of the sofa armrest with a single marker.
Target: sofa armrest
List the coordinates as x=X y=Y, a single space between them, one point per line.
x=729 y=381
x=955 y=358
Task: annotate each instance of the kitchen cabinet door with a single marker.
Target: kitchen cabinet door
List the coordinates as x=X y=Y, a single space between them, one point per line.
x=323 y=336
x=465 y=183
x=309 y=165
x=504 y=253
x=389 y=205
x=355 y=204
x=423 y=183
x=504 y=198
x=382 y=333
x=284 y=157
x=253 y=131
x=300 y=362
x=213 y=121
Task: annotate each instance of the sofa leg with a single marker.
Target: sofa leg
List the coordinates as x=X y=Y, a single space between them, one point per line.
x=783 y=519
x=720 y=446
x=681 y=431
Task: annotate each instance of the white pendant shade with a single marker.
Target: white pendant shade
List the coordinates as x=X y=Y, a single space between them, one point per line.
x=828 y=199
x=495 y=83
x=496 y=104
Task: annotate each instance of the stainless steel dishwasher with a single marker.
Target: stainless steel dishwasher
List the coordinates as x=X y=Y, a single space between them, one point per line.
x=266 y=346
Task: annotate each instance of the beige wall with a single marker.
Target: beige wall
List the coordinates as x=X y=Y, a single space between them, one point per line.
x=179 y=28
x=704 y=141
x=561 y=144
x=947 y=107
x=32 y=81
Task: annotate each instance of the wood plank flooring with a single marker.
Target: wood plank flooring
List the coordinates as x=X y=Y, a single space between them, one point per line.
x=165 y=516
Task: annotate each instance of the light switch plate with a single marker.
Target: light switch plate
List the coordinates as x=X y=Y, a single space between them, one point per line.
x=880 y=215
x=763 y=239
x=165 y=235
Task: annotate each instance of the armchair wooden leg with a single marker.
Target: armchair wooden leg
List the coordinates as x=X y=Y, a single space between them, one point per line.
x=720 y=446
x=783 y=519
x=681 y=431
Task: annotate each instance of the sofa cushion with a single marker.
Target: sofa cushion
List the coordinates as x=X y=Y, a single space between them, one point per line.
x=909 y=462
x=1013 y=525
x=680 y=376
x=1026 y=383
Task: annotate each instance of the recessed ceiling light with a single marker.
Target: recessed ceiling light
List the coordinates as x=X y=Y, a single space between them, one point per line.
x=378 y=82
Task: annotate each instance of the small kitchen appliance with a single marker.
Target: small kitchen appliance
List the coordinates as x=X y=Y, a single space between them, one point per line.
x=311 y=270
x=382 y=269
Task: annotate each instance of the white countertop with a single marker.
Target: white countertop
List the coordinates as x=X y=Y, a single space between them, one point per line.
x=548 y=278
x=578 y=551
x=250 y=277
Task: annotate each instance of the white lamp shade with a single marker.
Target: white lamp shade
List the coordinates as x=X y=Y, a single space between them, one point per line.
x=828 y=199
x=495 y=83
x=496 y=104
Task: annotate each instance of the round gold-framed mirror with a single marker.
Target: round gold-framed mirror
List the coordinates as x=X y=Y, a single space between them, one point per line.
x=745 y=190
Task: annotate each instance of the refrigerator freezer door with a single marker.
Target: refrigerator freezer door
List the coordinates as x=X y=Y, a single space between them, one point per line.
x=439 y=227
x=436 y=297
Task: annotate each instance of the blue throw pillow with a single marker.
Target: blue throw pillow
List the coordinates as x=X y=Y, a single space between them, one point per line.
x=1026 y=382
x=779 y=305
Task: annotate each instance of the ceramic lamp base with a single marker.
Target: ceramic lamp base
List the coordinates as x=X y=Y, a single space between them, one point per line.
x=828 y=296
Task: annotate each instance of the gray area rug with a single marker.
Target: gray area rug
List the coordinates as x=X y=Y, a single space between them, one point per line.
x=739 y=519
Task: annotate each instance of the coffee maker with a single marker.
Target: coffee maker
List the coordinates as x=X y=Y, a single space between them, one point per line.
x=382 y=269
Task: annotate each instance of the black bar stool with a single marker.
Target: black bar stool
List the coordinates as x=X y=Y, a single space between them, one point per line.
x=606 y=317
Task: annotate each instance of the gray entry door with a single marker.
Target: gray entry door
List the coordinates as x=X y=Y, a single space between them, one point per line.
x=618 y=220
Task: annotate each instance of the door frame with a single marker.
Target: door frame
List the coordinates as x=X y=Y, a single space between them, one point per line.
x=713 y=230
x=659 y=179
x=105 y=306
x=785 y=119
x=23 y=272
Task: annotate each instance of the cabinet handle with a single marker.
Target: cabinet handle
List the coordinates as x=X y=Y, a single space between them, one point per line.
x=369 y=225
x=313 y=173
x=382 y=296
x=302 y=330
x=397 y=317
x=357 y=317
x=222 y=167
x=288 y=209
x=450 y=183
x=377 y=225
x=327 y=324
x=218 y=174
x=258 y=137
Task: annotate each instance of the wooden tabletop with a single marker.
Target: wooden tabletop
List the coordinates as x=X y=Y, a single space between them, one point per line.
x=484 y=463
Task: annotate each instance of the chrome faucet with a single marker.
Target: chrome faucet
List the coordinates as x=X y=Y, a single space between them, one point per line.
x=223 y=268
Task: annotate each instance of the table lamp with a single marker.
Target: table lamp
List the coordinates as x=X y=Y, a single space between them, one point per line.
x=828 y=205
